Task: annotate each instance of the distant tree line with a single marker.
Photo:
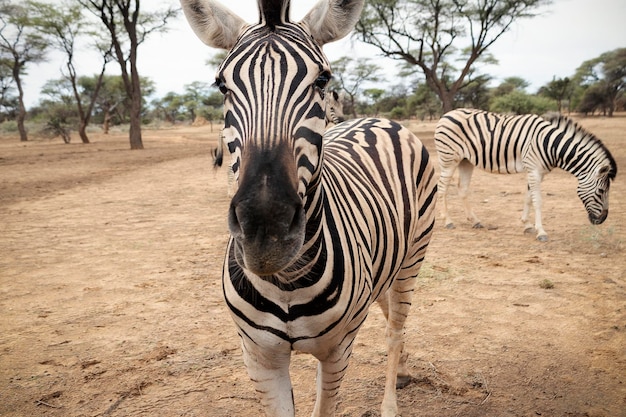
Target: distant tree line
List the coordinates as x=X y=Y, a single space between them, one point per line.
x=30 y=29
x=596 y=87
x=437 y=43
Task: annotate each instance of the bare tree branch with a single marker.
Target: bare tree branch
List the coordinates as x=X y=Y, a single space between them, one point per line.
x=430 y=34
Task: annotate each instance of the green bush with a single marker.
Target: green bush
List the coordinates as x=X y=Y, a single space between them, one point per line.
x=518 y=102
x=8 y=127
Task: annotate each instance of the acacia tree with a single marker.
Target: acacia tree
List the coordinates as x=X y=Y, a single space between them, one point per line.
x=603 y=81
x=20 y=45
x=110 y=97
x=58 y=105
x=349 y=75
x=127 y=29
x=63 y=24
x=8 y=102
x=558 y=90
x=434 y=34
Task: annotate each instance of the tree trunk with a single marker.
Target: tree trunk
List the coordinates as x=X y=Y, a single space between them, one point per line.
x=135 y=109
x=439 y=88
x=21 y=109
x=135 y=124
x=82 y=131
x=134 y=86
x=447 y=101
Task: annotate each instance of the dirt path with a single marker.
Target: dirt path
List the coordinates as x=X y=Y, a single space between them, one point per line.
x=111 y=303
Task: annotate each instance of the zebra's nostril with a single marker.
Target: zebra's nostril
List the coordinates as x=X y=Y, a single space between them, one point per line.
x=599 y=219
x=233 y=221
x=298 y=220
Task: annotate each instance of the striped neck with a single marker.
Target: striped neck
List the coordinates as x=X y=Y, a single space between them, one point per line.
x=574 y=148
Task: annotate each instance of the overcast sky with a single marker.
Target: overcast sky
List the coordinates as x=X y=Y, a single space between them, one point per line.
x=553 y=44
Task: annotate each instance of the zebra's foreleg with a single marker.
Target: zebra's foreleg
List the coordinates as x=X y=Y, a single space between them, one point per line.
x=533 y=196
x=442 y=188
x=465 y=176
x=398 y=305
x=269 y=372
x=528 y=202
x=330 y=373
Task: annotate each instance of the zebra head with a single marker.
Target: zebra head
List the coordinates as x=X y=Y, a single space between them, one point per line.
x=273 y=80
x=590 y=161
x=593 y=186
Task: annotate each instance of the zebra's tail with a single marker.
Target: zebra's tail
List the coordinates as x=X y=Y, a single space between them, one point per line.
x=218 y=153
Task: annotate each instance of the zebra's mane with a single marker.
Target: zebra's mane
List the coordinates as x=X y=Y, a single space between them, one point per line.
x=274 y=12
x=567 y=124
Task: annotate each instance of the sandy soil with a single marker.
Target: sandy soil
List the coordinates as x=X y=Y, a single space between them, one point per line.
x=111 y=305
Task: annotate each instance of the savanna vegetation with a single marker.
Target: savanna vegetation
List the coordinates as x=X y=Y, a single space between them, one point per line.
x=436 y=43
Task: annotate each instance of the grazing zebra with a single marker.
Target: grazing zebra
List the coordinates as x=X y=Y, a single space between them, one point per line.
x=322 y=225
x=466 y=138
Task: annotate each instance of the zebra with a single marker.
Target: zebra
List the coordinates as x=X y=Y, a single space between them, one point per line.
x=323 y=222
x=334 y=116
x=504 y=144
x=334 y=109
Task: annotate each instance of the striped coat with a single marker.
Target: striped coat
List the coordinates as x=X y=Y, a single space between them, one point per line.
x=467 y=138
x=323 y=223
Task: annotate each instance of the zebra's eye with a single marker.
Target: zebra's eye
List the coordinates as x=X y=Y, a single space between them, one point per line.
x=221 y=85
x=322 y=80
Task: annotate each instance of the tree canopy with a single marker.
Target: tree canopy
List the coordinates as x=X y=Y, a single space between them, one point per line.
x=127 y=28
x=20 y=45
x=444 y=39
x=602 y=82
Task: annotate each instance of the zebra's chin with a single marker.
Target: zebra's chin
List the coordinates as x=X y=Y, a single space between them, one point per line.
x=267 y=256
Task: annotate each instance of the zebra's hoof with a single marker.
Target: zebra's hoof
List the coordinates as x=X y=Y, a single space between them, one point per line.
x=450 y=226
x=529 y=231
x=478 y=226
x=402 y=381
x=542 y=238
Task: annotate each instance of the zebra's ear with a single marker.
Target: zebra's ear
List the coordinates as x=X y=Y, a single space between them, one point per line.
x=213 y=23
x=331 y=20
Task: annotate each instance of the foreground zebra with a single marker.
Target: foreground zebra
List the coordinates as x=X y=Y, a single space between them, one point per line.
x=496 y=143
x=321 y=225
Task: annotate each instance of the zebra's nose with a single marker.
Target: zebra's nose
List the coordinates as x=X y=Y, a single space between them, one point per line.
x=267 y=237
x=270 y=221
x=599 y=219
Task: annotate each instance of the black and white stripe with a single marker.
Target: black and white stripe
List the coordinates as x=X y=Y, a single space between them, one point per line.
x=504 y=144
x=323 y=223
x=334 y=116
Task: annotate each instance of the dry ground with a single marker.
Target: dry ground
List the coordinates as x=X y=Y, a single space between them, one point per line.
x=111 y=305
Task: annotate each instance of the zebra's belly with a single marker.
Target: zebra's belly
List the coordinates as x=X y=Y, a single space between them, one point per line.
x=336 y=335
x=500 y=167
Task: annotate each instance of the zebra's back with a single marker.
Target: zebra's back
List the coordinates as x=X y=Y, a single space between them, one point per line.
x=493 y=142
